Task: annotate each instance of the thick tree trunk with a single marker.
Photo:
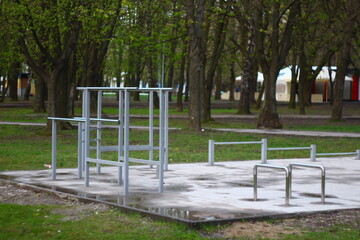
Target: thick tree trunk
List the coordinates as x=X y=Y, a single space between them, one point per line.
x=244 y=103
x=39 y=100
x=279 y=49
x=343 y=60
x=195 y=16
x=268 y=117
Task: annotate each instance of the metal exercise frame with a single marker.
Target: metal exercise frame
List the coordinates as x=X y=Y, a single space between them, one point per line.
x=292 y=165
x=123 y=147
x=212 y=143
x=80 y=122
x=287 y=179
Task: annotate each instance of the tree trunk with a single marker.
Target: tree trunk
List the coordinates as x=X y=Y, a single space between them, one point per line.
x=13 y=80
x=218 y=46
x=343 y=60
x=196 y=17
x=268 y=117
x=218 y=82
x=232 y=81
x=244 y=103
x=39 y=101
x=279 y=49
x=293 y=83
x=27 y=90
x=179 y=103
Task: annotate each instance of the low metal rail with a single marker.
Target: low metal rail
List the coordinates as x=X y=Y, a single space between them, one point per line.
x=357 y=153
x=287 y=179
x=292 y=165
x=212 y=143
x=312 y=149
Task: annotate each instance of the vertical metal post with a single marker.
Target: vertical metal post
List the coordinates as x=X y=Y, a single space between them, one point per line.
x=313 y=153
x=83 y=114
x=98 y=130
x=166 y=130
x=53 y=149
x=211 y=152
x=287 y=188
x=264 y=150
x=120 y=134
x=255 y=183
x=161 y=141
x=323 y=185
x=80 y=150
x=126 y=141
x=357 y=154
x=87 y=134
x=151 y=126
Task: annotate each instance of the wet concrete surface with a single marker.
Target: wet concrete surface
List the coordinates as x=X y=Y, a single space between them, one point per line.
x=197 y=193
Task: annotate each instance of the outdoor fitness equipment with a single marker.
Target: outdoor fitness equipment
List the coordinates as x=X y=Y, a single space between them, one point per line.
x=123 y=146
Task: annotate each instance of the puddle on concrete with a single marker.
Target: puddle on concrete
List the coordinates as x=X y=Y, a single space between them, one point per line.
x=316 y=195
x=135 y=201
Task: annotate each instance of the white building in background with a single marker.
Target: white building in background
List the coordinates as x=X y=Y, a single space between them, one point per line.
x=320 y=91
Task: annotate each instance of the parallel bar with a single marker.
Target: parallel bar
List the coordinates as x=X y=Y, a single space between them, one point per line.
x=131 y=148
x=143 y=161
x=292 y=165
x=334 y=154
x=289 y=148
x=212 y=143
x=67 y=119
x=228 y=143
x=108 y=89
x=287 y=179
x=105 y=162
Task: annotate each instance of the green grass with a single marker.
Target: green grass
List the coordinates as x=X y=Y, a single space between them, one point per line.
x=39 y=222
x=184 y=146
x=29 y=147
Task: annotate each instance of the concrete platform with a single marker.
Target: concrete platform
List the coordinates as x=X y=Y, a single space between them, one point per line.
x=198 y=193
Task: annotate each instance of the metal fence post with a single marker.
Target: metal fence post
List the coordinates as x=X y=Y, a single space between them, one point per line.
x=211 y=152
x=264 y=150
x=358 y=154
x=313 y=153
x=53 y=149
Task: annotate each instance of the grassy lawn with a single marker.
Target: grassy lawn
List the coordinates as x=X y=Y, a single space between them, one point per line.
x=42 y=222
x=29 y=147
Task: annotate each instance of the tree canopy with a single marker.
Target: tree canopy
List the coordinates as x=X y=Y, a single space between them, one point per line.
x=197 y=47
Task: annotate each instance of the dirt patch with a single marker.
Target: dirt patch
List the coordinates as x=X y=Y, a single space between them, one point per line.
x=275 y=229
x=74 y=210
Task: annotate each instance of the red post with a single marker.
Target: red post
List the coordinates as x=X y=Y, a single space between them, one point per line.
x=355 y=88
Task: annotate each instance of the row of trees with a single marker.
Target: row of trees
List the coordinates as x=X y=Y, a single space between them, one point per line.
x=70 y=43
